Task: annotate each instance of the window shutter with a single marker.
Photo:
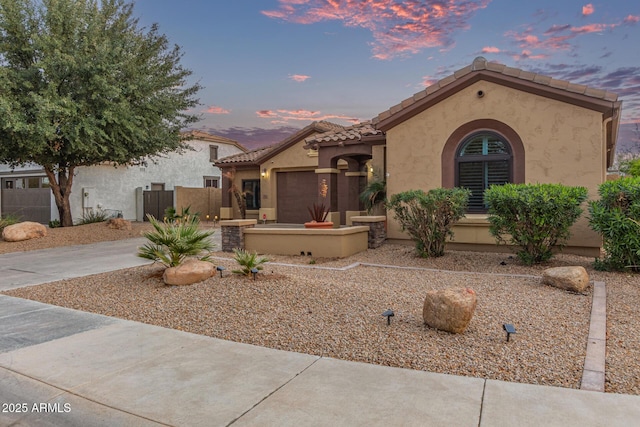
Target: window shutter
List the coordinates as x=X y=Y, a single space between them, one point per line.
x=471 y=176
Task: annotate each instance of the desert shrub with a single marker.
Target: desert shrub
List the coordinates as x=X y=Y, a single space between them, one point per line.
x=429 y=217
x=185 y=215
x=631 y=167
x=247 y=261
x=91 y=216
x=170 y=243
x=534 y=217
x=373 y=195
x=55 y=223
x=8 y=219
x=616 y=216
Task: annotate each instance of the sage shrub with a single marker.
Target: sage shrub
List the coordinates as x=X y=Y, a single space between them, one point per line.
x=616 y=216
x=533 y=217
x=429 y=217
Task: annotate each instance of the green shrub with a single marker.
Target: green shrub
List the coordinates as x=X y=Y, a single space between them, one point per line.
x=534 y=217
x=54 y=223
x=92 y=216
x=7 y=220
x=616 y=216
x=248 y=261
x=429 y=217
x=172 y=242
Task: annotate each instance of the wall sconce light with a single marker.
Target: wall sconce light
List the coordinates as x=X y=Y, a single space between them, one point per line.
x=264 y=172
x=371 y=169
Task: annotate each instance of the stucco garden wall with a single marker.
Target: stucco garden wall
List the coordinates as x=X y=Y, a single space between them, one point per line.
x=563 y=143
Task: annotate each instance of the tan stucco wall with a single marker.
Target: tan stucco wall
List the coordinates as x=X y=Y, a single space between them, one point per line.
x=239 y=176
x=330 y=243
x=562 y=143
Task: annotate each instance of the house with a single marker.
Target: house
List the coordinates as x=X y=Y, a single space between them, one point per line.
x=277 y=181
x=485 y=124
x=131 y=190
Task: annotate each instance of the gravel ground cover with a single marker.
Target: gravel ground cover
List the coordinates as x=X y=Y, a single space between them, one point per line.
x=304 y=304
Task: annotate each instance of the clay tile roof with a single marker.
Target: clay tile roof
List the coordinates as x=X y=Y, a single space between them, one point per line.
x=495 y=72
x=204 y=136
x=261 y=154
x=249 y=156
x=351 y=133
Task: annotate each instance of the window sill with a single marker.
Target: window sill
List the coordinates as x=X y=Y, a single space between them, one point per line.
x=474 y=220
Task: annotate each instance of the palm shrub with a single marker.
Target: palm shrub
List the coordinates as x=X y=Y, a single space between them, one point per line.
x=534 y=217
x=92 y=216
x=616 y=216
x=247 y=261
x=429 y=217
x=170 y=243
x=373 y=195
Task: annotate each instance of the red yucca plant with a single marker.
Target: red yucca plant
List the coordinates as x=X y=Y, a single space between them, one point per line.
x=318 y=212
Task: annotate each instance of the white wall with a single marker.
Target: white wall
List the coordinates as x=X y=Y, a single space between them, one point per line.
x=114 y=188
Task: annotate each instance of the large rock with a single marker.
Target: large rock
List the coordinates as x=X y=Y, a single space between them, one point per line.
x=574 y=279
x=189 y=272
x=23 y=231
x=449 y=310
x=119 y=224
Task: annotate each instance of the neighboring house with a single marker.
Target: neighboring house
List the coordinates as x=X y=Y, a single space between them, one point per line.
x=485 y=124
x=278 y=182
x=130 y=190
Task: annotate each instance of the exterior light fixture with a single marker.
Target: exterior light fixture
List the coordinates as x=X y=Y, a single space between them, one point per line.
x=509 y=329
x=264 y=172
x=388 y=314
x=371 y=169
x=220 y=269
x=254 y=271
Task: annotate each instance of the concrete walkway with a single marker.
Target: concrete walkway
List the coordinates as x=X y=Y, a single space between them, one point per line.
x=63 y=367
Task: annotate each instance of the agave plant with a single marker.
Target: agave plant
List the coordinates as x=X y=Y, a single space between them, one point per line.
x=248 y=261
x=170 y=243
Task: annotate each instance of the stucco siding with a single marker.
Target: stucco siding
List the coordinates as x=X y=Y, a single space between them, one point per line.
x=562 y=143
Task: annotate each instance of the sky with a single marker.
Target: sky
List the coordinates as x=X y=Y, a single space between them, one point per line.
x=270 y=67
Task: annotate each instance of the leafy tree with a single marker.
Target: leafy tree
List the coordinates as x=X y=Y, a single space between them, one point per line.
x=81 y=84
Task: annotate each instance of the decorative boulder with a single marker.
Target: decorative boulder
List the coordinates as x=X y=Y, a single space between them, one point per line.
x=23 y=231
x=119 y=224
x=574 y=279
x=449 y=310
x=189 y=272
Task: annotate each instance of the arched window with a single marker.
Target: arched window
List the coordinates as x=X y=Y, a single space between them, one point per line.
x=483 y=159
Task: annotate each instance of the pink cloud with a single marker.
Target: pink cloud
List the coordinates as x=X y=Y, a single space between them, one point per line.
x=282 y=116
x=631 y=19
x=490 y=49
x=588 y=9
x=213 y=109
x=299 y=77
x=399 y=27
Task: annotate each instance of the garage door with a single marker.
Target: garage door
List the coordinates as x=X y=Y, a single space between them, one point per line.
x=28 y=198
x=296 y=191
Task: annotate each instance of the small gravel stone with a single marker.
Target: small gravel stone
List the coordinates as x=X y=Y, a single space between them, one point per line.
x=304 y=304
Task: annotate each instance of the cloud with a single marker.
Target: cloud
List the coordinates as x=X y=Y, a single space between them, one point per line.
x=298 y=77
x=286 y=116
x=631 y=19
x=213 y=109
x=588 y=9
x=399 y=27
x=490 y=49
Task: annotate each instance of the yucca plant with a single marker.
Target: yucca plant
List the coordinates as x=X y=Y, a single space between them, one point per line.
x=170 y=243
x=248 y=261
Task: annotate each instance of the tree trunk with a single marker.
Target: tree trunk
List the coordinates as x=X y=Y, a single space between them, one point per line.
x=61 y=188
